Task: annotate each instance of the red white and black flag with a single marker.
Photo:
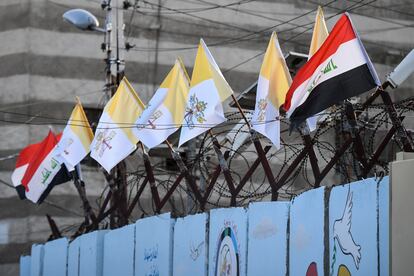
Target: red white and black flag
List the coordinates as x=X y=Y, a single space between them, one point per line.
x=23 y=160
x=38 y=171
x=340 y=69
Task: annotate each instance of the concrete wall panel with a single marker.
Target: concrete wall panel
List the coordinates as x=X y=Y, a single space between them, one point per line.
x=190 y=246
x=306 y=255
x=73 y=257
x=36 y=260
x=227 y=242
x=384 y=225
x=55 y=258
x=267 y=233
x=119 y=247
x=353 y=228
x=25 y=266
x=153 y=245
x=91 y=253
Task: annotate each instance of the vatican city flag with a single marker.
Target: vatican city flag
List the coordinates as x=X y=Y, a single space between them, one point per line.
x=320 y=33
x=114 y=138
x=208 y=90
x=165 y=111
x=76 y=138
x=272 y=86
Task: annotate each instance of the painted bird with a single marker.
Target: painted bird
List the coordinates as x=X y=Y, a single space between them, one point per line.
x=342 y=233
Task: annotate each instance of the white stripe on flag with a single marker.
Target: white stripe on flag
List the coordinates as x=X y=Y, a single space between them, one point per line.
x=347 y=57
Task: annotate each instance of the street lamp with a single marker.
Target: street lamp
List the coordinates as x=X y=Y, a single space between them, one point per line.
x=82 y=19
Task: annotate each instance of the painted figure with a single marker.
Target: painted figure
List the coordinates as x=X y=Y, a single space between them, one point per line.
x=342 y=233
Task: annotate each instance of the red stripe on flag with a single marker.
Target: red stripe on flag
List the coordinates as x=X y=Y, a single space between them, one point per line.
x=47 y=145
x=26 y=154
x=341 y=33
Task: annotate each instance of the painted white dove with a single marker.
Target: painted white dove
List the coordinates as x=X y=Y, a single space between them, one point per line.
x=342 y=233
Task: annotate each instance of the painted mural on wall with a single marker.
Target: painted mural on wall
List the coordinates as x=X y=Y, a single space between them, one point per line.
x=190 y=253
x=267 y=233
x=353 y=229
x=355 y=239
x=227 y=242
x=153 y=242
x=307 y=233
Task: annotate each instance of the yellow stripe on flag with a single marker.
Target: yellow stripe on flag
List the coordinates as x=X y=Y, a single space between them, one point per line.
x=275 y=70
x=124 y=108
x=205 y=68
x=201 y=70
x=80 y=126
x=320 y=32
x=178 y=88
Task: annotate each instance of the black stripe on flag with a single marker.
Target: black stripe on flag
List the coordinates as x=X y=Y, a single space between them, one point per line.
x=333 y=91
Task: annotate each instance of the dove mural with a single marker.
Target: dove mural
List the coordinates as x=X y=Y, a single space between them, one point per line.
x=342 y=232
x=353 y=228
x=190 y=246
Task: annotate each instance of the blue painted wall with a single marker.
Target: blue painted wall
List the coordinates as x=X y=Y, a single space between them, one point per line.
x=119 y=248
x=252 y=242
x=153 y=246
x=307 y=233
x=73 y=257
x=190 y=246
x=25 y=266
x=91 y=253
x=227 y=242
x=36 y=260
x=267 y=240
x=384 y=225
x=55 y=257
x=353 y=228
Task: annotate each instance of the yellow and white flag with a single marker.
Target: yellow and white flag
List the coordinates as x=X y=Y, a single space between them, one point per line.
x=208 y=90
x=165 y=111
x=320 y=33
x=272 y=86
x=114 y=137
x=76 y=138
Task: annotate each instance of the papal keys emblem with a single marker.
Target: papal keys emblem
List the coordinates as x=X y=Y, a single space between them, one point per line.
x=195 y=112
x=261 y=106
x=103 y=141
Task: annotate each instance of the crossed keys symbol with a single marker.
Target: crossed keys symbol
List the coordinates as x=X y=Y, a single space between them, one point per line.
x=156 y=115
x=195 y=110
x=103 y=138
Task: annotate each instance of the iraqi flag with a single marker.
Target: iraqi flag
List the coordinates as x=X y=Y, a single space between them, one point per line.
x=340 y=69
x=25 y=157
x=37 y=171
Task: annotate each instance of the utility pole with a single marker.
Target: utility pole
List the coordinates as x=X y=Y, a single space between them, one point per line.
x=115 y=66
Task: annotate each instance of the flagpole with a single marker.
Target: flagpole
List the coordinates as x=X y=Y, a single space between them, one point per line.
x=260 y=151
x=224 y=167
x=80 y=187
x=151 y=178
x=184 y=169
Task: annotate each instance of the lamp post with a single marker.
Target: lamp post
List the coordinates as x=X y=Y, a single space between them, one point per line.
x=115 y=64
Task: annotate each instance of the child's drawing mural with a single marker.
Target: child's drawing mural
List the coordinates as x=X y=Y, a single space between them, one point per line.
x=238 y=241
x=228 y=255
x=342 y=232
x=190 y=252
x=307 y=233
x=353 y=229
x=153 y=242
x=227 y=242
x=267 y=233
